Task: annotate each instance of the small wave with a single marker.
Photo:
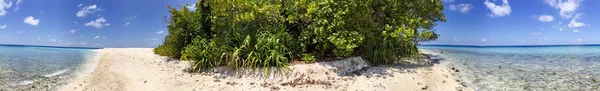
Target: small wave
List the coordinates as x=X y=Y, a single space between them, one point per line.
x=56 y=73
x=26 y=82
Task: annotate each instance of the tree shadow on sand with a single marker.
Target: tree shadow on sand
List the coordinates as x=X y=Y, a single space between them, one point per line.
x=407 y=66
x=348 y=67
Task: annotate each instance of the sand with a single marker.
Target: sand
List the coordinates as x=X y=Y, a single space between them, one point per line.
x=138 y=69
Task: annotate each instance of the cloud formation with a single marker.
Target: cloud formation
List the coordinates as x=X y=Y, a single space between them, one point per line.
x=566 y=7
x=2 y=26
x=498 y=10
x=3 y=6
x=18 y=3
x=574 y=23
x=463 y=8
x=536 y=33
x=31 y=21
x=72 y=30
x=98 y=23
x=546 y=18
x=87 y=10
x=160 y=32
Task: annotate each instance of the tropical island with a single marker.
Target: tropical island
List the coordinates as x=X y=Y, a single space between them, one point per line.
x=284 y=45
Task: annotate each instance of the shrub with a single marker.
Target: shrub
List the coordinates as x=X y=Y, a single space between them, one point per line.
x=308 y=58
x=270 y=33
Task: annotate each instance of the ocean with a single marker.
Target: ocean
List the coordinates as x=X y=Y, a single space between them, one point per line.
x=538 y=68
x=30 y=67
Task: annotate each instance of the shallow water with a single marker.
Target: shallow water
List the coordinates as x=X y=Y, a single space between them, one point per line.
x=524 y=68
x=25 y=66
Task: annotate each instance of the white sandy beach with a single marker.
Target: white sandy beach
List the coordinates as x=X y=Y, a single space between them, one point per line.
x=139 y=69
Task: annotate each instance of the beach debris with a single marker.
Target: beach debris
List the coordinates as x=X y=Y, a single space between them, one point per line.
x=217 y=80
x=232 y=83
x=303 y=81
x=275 y=88
x=145 y=81
x=266 y=84
x=455 y=70
x=424 y=88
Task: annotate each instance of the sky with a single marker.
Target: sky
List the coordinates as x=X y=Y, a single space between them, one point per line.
x=141 y=23
x=519 y=22
x=85 y=23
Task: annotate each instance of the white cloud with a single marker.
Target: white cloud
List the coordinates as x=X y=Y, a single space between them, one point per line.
x=31 y=21
x=546 y=18
x=79 y=5
x=53 y=40
x=20 y=31
x=83 y=43
x=560 y=29
x=98 y=23
x=104 y=37
x=484 y=40
x=574 y=23
x=536 y=33
x=3 y=26
x=456 y=40
x=498 y=10
x=87 y=10
x=566 y=7
x=160 y=32
x=127 y=23
x=73 y=31
x=18 y=4
x=3 y=6
x=131 y=17
x=38 y=38
x=575 y=30
x=579 y=40
x=191 y=7
x=463 y=8
x=97 y=37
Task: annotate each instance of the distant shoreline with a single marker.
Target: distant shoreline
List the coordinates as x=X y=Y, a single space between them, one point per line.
x=18 y=45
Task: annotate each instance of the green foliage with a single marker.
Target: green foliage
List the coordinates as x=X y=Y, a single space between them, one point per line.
x=269 y=33
x=308 y=58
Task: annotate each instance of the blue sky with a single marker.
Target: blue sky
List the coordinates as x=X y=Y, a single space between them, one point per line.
x=85 y=23
x=140 y=23
x=519 y=22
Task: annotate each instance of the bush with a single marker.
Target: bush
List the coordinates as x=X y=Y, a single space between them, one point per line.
x=268 y=33
x=308 y=58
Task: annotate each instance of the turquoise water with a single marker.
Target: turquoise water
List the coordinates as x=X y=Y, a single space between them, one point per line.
x=524 y=67
x=24 y=66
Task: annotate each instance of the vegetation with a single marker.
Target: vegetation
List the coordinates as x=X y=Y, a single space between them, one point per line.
x=270 y=33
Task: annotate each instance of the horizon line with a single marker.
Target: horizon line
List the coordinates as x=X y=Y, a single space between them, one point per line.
x=75 y=47
x=466 y=45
